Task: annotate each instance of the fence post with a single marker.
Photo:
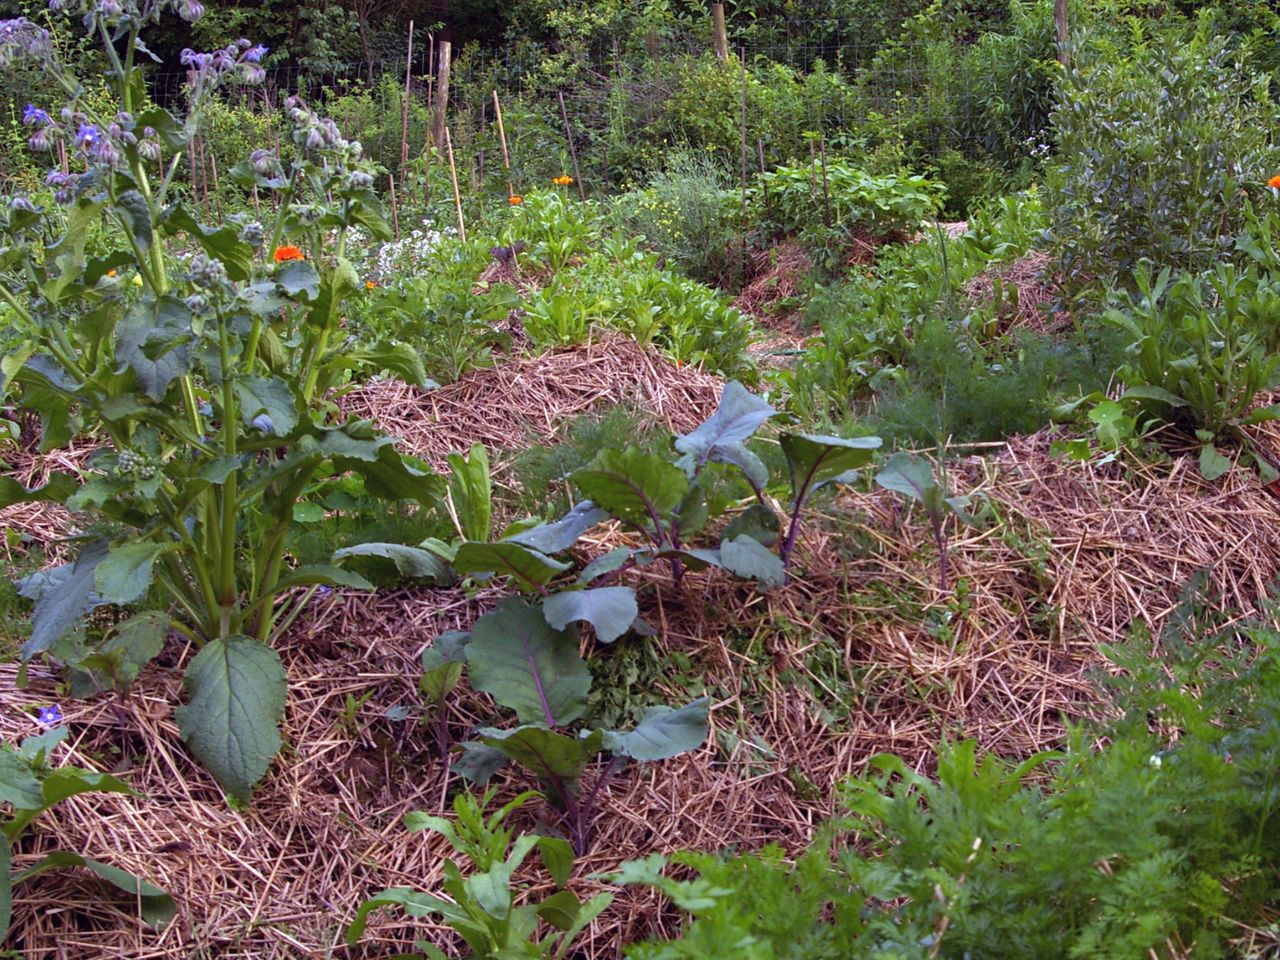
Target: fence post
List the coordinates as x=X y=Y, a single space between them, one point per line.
x=442 y=94
x=1062 y=31
x=722 y=35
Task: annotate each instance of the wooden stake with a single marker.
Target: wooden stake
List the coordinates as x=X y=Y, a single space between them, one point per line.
x=502 y=138
x=1062 y=30
x=442 y=94
x=721 y=34
x=404 y=112
x=217 y=194
x=573 y=150
x=395 y=212
x=826 y=194
x=743 y=59
x=457 y=197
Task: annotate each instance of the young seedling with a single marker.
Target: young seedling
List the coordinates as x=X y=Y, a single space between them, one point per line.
x=914 y=478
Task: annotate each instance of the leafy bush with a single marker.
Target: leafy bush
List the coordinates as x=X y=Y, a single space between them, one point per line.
x=1156 y=139
x=1159 y=841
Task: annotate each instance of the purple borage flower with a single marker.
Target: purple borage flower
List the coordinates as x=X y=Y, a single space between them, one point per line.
x=49 y=716
x=255 y=54
x=32 y=114
x=263 y=422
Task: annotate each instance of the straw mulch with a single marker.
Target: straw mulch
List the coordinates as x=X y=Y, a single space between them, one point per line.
x=862 y=654
x=43 y=524
x=525 y=400
x=1037 y=293
x=774 y=277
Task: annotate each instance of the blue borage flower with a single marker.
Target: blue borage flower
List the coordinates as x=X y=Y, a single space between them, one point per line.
x=49 y=716
x=264 y=423
x=32 y=114
x=255 y=54
x=88 y=135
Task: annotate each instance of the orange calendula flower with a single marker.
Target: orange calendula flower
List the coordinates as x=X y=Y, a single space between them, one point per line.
x=111 y=273
x=1274 y=182
x=562 y=181
x=369 y=284
x=287 y=253
x=515 y=200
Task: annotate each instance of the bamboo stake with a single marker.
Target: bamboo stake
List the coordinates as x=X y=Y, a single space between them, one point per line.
x=453 y=174
x=404 y=111
x=573 y=150
x=442 y=93
x=502 y=138
x=395 y=212
x=826 y=194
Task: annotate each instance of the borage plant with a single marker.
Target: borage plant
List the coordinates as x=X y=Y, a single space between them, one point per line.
x=199 y=357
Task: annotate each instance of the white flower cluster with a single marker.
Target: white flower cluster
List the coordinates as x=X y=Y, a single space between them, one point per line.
x=398 y=258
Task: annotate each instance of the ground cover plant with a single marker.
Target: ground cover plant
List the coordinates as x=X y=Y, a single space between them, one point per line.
x=665 y=480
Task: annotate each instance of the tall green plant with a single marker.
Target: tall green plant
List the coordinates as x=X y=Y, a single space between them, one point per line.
x=203 y=376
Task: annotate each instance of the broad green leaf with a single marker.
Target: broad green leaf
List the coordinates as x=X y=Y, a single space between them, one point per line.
x=757 y=522
x=908 y=475
x=471 y=492
x=63 y=596
x=560 y=909
x=606 y=563
x=410 y=561
x=56 y=490
x=156 y=907
x=1213 y=464
x=662 y=732
x=557 y=857
x=400 y=359
x=386 y=474
x=18 y=785
x=66 y=257
x=237 y=687
x=217 y=471
x=527 y=567
x=478 y=763
x=748 y=558
x=132 y=208
x=611 y=610
x=312 y=574
x=413 y=903
x=171 y=132
x=442 y=664
x=66 y=782
x=633 y=485
x=269 y=396
x=1148 y=391
x=548 y=755
x=138 y=641
x=125 y=573
x=815 y=460
x=306 y=512
x=298 y=278
x=563 y=533
x=153 y=338
x=739 y=414
x=222 y=243
x=517 y=658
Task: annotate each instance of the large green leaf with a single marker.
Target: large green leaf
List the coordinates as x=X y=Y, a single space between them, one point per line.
x=442 y=664
x=721 y=436
x=269 y=396
x=662 y=732
x=815 y=460
x=18 y=784
x=914 y=478
x=757 y=522
x=56 y=490
x=563 y=533
x=237 y=688
x=63 y=596
x=611 y=610
x=66 y=782
x=413 y=903
x=386 y=474
x=477 y=763
x=633 y=485
x=132 y=208
x=516 y=657
x=323 y=574
x=471 y=492
x=125 y=573
x=527 y=567
x=155 y=906
x=67 y=255
x=223 y=243
x=298 y=278
x=153 y=338
x=747 y=557
x=410 y=561
x=546 y=754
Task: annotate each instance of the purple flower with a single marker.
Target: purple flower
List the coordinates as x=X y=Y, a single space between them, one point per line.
x=255 y=54
x=49 y=716
x=33 y=114
x=191 y=10
x=324 y=591
x=88 y=135
x=263 y=422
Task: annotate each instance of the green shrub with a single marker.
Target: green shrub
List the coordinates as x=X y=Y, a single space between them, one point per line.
x=1156 y=138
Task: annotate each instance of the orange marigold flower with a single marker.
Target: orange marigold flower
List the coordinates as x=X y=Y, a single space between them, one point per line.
x=515 y=200
x=562 y=181
x=1274 y=182
x=369 y=284
x=287 y=253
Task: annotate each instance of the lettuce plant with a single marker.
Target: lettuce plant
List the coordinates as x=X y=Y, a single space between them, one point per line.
x=203 y=375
